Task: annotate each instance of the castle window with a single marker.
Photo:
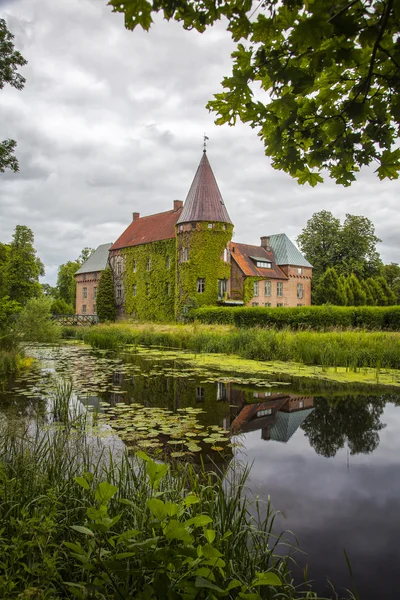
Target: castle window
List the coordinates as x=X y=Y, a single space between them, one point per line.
x=263 y=264
x=222 y=287
x=224 y=227
x=255 y=288
x=299 y=290
x=299 y=271
x=193 y=225
x=84 y=277
x=184 y=255
x=267 y=304
x=301 y=404
x=199 y=394
x=201 y=285
x=254 y=303
x=180 y=227
x=267 y=288
x=147 y=289
x=299 y=305
x=210 y=225
x=95 y=292
x=226 y=255
x=134 y=265
x=85 y=292
x=134 y=289
x=83 y=308
x=279 y=288
x=119 y=268
x=168 y=262
x=168 y=289
x=94 y=309
x=119 y=291
x=264 y=413
x=279 y=304
x=148 y=265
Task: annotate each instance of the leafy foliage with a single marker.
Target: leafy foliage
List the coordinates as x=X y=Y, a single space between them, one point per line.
x=60 y=307
x=330 y=289
x=326 y=77
x=23 y=266
x=392 y=275
x=10 y=61
x=349 y=247
x=105 y=297
x=34 y=324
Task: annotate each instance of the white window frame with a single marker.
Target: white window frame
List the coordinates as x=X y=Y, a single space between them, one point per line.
x=255 y=288
x=201 y=285
x=279 y=289
x=268 y=288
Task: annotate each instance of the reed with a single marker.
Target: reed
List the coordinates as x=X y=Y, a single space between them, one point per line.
x=55 y=488
x=351 y=349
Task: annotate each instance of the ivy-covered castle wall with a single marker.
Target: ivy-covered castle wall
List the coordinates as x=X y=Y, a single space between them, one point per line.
x=201 y=253
x=149 y=277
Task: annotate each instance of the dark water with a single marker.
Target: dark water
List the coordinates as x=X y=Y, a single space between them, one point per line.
x=329 y=460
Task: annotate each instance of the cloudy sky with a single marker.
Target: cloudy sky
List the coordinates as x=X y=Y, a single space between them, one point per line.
x=110 y=122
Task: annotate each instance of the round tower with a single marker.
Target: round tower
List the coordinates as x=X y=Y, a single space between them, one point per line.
x=203 y=233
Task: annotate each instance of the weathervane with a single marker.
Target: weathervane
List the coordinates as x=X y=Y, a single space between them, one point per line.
x=205 y=143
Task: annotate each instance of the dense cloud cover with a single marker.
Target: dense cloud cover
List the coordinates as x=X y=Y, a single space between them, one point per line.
x=111 y=122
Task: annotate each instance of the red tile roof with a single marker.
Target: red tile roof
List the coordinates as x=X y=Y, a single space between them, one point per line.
x=204 y=201
x=153 y=228
x=241 y=254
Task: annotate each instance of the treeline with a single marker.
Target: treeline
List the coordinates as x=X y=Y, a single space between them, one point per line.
x=341 y=290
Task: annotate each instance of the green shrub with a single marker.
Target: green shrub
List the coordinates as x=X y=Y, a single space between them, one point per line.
x=60 y=307
x=323 y=317
x=35 y=324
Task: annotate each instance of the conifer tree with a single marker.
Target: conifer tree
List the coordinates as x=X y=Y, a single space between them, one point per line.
x=368 y=294
x=378 y=294
x=359 y=296
x=105 y=297
x=390 y=295
x=330 y=289
x=348 y=292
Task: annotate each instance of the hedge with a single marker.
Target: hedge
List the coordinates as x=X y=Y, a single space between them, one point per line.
x=304 y=317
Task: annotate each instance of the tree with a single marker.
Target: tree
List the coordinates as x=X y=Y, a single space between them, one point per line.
x=359 y=297
x=84 y=255
x=10 y=60
x=66 y=284
x=34 y=324
x=389 y=294
x=392 y=275
x=329 y=289
x=319 y=241
x=349 y=248
x=60 y=307
x=377 y=292
x=369 y=299
x=23 y=266
x=328 y=72
x=105 y=297
x=4 y=254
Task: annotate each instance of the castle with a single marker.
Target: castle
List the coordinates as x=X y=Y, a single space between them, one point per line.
x=166 y=263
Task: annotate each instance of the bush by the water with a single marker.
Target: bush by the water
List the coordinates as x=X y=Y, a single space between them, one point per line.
x=34 y=324
x=304 y=317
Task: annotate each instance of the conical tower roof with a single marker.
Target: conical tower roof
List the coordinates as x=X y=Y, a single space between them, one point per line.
x=204 y=201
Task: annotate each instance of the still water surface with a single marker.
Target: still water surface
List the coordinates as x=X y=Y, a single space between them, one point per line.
x=329 y=462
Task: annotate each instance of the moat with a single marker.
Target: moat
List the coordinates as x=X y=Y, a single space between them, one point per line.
x=329 y=462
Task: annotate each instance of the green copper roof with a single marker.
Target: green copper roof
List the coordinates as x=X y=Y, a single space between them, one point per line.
x=285 y=252
x=97 y=261
x=287 y=423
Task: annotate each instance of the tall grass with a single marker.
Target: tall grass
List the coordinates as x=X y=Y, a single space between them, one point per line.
x=350 y=349
x=45 y=490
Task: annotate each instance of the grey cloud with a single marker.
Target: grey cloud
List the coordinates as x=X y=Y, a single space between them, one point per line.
x=111 y=121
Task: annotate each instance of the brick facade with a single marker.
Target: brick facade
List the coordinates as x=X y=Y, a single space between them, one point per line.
x=86 y=292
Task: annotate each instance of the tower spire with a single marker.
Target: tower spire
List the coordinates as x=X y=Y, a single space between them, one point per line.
x=204 y=201
x=205 y=138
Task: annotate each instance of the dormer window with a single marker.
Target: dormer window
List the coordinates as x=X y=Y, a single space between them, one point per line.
x=263 y=264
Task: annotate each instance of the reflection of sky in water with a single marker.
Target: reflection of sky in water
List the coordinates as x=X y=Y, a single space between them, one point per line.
x=331 y=504
x=345 y=502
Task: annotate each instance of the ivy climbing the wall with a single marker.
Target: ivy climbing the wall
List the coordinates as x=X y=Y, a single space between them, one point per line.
x=248 y=288
x=149 y=280
x=205 y=261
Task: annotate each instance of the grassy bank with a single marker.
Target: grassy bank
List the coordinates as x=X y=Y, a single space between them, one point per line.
x=349 y=349
x=77 y=523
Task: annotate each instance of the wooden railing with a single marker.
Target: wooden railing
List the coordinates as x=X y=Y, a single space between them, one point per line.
x=76 y=319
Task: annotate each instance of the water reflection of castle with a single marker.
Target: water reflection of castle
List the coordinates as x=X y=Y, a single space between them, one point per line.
x=240 y=409
x=278 y=415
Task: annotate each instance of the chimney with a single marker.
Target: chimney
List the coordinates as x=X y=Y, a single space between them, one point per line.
x=265 y=243
x=178 y=204
x=135 y=216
